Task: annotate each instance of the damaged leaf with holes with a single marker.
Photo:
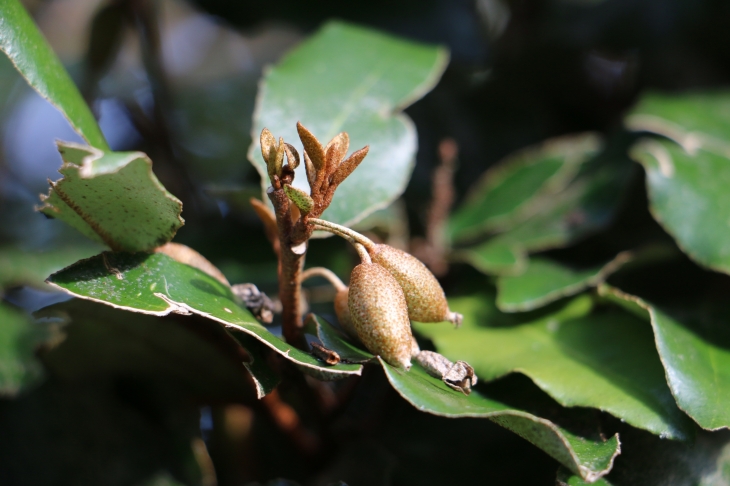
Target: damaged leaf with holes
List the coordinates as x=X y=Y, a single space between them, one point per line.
x=113 y=198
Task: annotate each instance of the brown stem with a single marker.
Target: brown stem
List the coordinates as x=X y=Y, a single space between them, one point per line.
x=432 y=251
x=291 y=262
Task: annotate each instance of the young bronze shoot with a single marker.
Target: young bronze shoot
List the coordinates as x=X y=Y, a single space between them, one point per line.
x=326 y=169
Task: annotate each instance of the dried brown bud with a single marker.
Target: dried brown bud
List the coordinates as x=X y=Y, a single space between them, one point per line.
x=380 y=315
x=460 y=375
x=425 y=297
x=325 y=354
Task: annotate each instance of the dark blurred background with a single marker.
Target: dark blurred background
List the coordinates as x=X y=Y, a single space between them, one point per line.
x=178 y=79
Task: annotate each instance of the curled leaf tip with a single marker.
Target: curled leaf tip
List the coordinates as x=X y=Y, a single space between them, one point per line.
x=292 y=156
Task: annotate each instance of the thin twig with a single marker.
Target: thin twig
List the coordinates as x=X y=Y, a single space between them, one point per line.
x=343 y=231
x=433 y=250
x=362 y=253
x=324 y=273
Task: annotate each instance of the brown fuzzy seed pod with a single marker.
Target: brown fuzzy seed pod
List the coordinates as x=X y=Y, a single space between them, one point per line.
x=380 y=315
x=342 y=311
x=424 y=295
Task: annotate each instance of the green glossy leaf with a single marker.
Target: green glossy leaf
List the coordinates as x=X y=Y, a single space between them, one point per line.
x=335 y=340
x=602 y=360
x=19 y=368
x=586 y=205
x=690 y=119
x=694 y=346
x=650 y=461
x=195 y=355
x=546 y=281
x=18 y=267
x=158 y=285
x=113 y=198
x=514 y=190
x=29 y=51
x=688 y=196
x=352 y=79
x=590 y=459
x=567 y=478
x=265 y=378
x=495 y=257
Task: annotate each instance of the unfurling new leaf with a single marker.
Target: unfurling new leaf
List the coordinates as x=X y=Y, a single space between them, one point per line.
x=312 y=147
x=300 y=199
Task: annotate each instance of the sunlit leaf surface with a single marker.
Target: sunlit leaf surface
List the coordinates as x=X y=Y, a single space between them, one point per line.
x=602 y=360
x=546 y=281
x=158 y=285
x=583 y=206
x=694 y=347
x=113 y=198
x=588 y=458
x=514 y=190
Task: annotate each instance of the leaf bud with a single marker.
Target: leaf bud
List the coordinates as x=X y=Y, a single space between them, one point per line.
x=301 y=199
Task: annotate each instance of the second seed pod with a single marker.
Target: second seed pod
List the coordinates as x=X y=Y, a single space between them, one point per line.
x=424 y=295
x=379 y=314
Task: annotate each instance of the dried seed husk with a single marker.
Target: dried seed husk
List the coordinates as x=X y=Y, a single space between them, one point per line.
x=424 y=295
x=380 y=315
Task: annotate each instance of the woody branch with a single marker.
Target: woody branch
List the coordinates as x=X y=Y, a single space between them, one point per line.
x=326 y=168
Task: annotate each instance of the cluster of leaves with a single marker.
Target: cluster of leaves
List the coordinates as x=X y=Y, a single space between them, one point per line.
x=596 y=314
